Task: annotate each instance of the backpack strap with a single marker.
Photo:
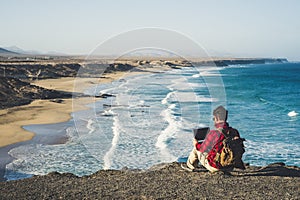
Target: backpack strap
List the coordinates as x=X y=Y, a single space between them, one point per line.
x=221 y=130
x=218 y=154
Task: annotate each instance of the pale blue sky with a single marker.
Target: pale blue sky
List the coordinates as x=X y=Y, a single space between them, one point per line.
x=238 y=28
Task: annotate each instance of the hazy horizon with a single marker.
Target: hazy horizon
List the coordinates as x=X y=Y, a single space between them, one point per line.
x=223 y=29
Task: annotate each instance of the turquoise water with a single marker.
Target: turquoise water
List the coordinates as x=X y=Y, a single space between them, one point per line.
x=152 y=116
x=263 y=101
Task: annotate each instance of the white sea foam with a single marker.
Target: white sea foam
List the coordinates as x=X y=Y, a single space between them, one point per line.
x=165 y=100
x=172 y=106
x=108 y=113
x=292 y=113
x=209 y=73
x=196 y=75
x=186 y=86
x=109 y=155
x=237 y=66
x=37 y=159
x=209 y=68
x=167 y=134
x=90 y=126
x=264 y=152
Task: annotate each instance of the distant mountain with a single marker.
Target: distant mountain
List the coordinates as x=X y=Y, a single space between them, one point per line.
x=22 y=51
x=33 y=52
x=7 y=52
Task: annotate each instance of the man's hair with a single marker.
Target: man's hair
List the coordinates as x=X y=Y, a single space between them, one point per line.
x=221 y=113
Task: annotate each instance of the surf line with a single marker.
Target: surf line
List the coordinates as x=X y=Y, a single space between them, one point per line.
x=168 y=133
x=89 y=125
x=109 y=154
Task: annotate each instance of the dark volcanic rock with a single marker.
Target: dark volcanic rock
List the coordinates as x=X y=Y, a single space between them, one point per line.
x=166 y=181
x=40 y=71
x=14 y=92
x=104 y=95
x=118 y=67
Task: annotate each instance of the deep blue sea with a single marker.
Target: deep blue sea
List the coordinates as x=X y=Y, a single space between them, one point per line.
x=151 y=117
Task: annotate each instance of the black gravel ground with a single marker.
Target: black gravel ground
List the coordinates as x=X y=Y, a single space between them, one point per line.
x=165 y=181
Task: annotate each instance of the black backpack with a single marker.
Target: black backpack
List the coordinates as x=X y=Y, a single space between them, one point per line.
x=232 y=151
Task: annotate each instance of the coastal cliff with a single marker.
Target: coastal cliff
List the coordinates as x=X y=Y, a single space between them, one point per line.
x=15 y=92
x=164 y=181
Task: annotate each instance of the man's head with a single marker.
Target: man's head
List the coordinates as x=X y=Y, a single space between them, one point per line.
x=220 y=114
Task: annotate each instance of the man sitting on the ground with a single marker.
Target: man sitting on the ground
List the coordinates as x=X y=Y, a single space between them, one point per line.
x=204 y=152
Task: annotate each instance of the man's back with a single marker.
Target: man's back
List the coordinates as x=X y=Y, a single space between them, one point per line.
x=209 y=150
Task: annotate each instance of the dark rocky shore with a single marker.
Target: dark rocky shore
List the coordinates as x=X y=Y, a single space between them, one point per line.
x=16 y=86
x=164 y=181
x=15 y=92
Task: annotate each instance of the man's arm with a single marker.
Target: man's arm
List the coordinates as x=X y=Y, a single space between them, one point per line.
x=210 y=140
x=196 y=144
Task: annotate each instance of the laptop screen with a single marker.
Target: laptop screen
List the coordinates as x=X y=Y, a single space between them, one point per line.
x=200 y=133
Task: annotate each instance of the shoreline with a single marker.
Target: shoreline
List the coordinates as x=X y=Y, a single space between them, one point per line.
x=57 y=137
x=38 y=112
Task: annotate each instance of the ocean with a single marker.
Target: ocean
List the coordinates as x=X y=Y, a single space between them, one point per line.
x=150 y=118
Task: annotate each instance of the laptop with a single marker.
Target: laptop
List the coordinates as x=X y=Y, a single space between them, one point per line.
x=200 y=133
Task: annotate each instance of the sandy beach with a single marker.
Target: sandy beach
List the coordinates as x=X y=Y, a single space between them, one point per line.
x=47 y=111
